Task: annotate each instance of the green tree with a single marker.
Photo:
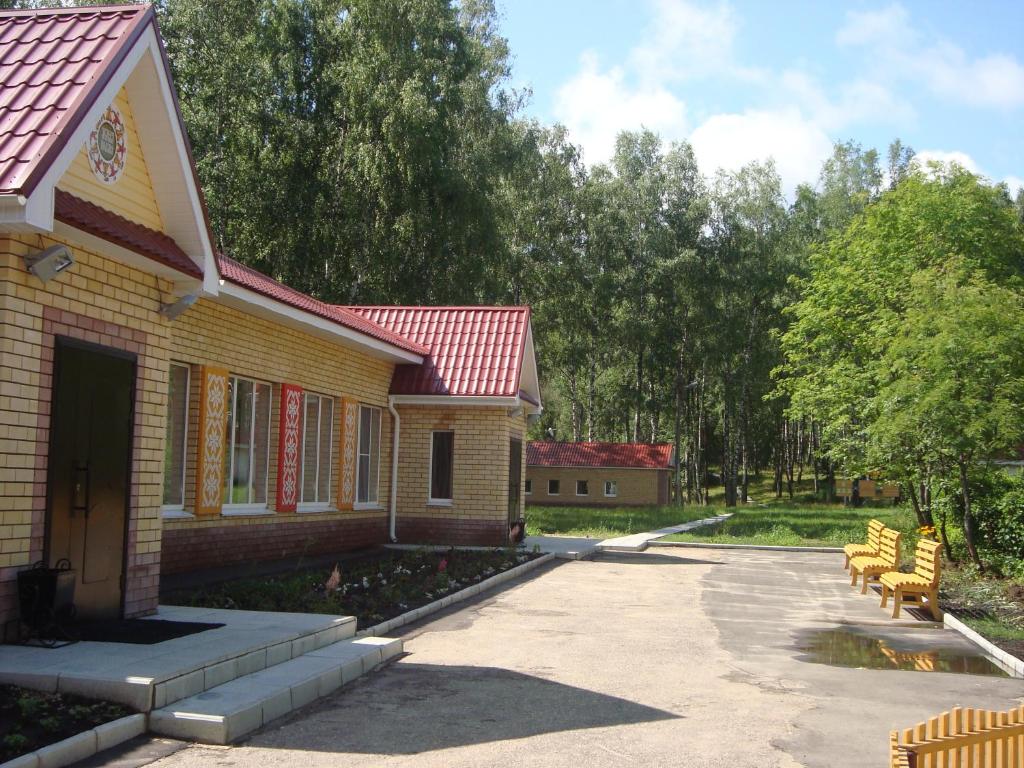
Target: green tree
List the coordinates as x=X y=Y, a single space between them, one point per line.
x=879 y=317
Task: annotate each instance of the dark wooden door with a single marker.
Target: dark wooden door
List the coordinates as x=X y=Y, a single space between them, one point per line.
x=515 y=478
x=88 y=474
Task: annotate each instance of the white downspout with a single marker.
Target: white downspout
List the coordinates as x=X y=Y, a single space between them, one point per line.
x=393 y=498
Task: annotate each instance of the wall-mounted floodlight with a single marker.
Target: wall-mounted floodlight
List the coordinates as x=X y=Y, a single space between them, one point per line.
x=171 y=311
x=49 y=263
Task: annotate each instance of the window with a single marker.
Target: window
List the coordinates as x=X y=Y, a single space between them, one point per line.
x=317 y=434
x=368 y=478
x=247 y=458
x=611 y=488
x=581 y=488
x=177 y=427
x=441 y=460
x=529 y=487
x=552 y=487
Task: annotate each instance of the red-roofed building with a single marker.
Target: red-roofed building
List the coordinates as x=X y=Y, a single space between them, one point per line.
x=168 y=409
x=598 y=474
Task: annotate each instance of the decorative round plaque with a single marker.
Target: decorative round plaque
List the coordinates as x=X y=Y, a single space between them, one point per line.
x=107 y=147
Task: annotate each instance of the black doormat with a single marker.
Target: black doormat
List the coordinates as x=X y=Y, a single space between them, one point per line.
x=136 y=631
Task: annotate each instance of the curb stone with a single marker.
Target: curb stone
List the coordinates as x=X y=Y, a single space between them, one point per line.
x=1008 y=662
x=82 y=745
x=456 y=597
x=755 y=547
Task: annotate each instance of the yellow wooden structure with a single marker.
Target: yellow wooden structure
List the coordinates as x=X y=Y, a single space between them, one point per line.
x=913 y=588
x=873 y=566
x=889 y=491
x=966 y=738
x=870 y=548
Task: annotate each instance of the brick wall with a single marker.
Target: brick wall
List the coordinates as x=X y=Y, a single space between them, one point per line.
x=240 y=540
x=100 y=301
x=478 y=513
x=212 y=333
x=636 y=486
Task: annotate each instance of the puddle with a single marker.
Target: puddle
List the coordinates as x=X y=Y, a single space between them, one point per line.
x=916 y=652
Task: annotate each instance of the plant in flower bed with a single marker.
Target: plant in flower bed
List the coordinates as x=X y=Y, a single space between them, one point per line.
x=990 y=606
x=372 y=589
x=33 y=719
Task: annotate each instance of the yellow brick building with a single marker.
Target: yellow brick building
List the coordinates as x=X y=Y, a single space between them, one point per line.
x=598 y=474
x=163 y=408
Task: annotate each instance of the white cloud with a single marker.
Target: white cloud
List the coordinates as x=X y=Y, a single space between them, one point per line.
x=685 y=40
x=595 y=105
x=885 y=27
x=897 y=49
x=859 y=101
x=796 y=116
x=964 y=160
x=729 y=141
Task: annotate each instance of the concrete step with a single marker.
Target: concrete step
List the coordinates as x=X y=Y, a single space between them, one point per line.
x=638 y=542
x=211 y=673
x=229 y=711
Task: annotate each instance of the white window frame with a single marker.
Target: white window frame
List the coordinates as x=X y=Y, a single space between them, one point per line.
x=316 y=506
x=528 y=487
x=380 y=429
x=586 y=492
x=431 y=501
x=255 y=507
x=178 y=510
x=615 y=489
x=559 y=491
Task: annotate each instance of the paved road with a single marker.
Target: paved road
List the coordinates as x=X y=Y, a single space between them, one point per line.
x=672 y=657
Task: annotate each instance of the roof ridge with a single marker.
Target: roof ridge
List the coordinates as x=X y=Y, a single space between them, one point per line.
x=594 y=442
x=334 y=313
x=497 y=307
x=76 y=10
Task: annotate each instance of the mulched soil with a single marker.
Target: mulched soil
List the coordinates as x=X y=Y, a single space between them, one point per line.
x=373 y=589
x=32 y=719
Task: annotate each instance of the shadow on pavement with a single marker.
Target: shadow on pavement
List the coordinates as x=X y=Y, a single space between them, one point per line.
x=647 y=558
x=411 y=708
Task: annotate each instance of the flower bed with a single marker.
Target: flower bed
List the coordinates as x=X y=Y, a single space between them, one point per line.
x=372 y=589
x=30 y=720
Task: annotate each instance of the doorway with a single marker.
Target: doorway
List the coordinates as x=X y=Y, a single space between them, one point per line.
x=88 y=477
x=515 y=476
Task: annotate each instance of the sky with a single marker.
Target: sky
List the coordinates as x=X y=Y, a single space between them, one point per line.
x=743 y=80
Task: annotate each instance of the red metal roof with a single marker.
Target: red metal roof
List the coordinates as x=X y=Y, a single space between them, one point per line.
x=623 y=455
x=118 y=230
x=53 y=64
x=474 y=351
x=247 y=277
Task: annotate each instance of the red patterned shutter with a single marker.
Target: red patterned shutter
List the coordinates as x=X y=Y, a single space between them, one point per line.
x=288 y=441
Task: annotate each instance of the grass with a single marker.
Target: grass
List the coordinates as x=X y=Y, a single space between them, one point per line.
x=800 y=525
x=606 y=522
x=30 y=720
x=373 y=589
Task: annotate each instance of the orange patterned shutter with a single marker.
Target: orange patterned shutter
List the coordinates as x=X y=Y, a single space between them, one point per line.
x=288 y=443
x=347 y=454
x=213 y=420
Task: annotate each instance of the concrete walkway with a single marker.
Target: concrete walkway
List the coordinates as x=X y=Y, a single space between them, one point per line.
x=665 y=658
x=580 y=548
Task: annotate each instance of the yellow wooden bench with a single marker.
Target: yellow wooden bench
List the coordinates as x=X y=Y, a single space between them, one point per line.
x=871 y=548
x=913 y=588
x=873 y=566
